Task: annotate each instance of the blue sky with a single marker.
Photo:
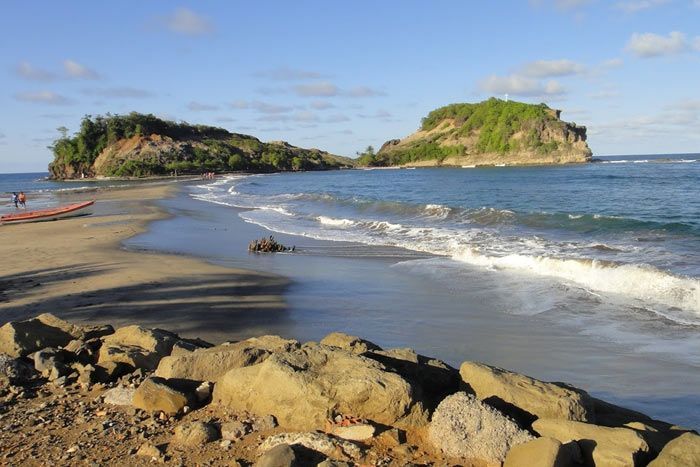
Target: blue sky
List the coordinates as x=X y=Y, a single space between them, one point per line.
x=342 y=75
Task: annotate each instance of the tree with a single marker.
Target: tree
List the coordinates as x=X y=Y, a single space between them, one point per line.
x=64 y=132
x=368 y=157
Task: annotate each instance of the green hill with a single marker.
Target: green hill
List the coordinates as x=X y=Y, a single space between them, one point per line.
x=138 y=145
x=491 y=132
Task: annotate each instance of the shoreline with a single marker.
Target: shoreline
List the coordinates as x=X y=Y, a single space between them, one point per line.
x=80 y=269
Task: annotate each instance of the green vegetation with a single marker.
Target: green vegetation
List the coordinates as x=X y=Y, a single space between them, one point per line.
x=161 y=147
x=491 y=126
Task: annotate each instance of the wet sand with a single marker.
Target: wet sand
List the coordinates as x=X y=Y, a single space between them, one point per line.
x=78 y=269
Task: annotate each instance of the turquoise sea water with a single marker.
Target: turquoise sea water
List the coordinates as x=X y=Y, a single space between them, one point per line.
x=625 y=230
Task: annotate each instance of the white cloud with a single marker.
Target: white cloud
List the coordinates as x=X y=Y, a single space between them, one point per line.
x=187 y=22
x=262 y=107
x=696 y=42
x=119 y=92
x=633 y=6
x=321 y=89
x=612 y=63
x=550 y=68
x=518 y=85
x=654 y=45
x=76 y=70
x=284 y=73
x=321 y=105
x=27 y=71
x=365 y=91
x=201 y=107
x=43 y=97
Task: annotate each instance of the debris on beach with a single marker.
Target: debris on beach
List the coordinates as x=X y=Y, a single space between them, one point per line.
x=268 y=245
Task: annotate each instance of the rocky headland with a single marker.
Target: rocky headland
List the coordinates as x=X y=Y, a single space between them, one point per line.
x=492 y=132
x=75 y=394
x=139 y=145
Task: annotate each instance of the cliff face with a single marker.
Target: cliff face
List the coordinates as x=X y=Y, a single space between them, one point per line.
x=142 y=145
x=492 y=132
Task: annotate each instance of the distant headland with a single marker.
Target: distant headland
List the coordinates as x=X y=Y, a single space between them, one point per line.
x=492 y=132
x=139 y=145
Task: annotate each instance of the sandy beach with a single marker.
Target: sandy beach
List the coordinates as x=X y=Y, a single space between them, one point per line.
x=77 y=269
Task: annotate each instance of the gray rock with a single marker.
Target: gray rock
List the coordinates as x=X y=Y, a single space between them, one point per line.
x=281 y=455
x=265 y=423
x=194 y=434
x=15 y=371
x=359 y=432
x=119 y=396
x=318 y=442
x=464 y=427
x=234 y=431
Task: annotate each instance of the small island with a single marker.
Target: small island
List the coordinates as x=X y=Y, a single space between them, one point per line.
x=492 y=132
x=140 y=145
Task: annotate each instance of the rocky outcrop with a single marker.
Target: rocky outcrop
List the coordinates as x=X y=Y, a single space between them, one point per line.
x=540 y=452
x=492 y=132
x=525 y=398
x=302 y=387
x=20 y=338
x=138 y=145
x=599 y=445
x=211 y=363
x=463 y=427
x=159 y=395
x=682 y=451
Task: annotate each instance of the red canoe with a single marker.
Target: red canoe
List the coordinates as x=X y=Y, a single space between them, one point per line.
x=77 y=209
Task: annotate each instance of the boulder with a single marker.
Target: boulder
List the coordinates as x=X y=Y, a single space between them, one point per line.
x=433 y=378
x=331 y=447
x=14 y=370
x=599 y=445
x=464 y=427
x=110 y=371
x=194 y=434
x=211 y=363
x=682 y=451
x=234 y=431
x=20 y=338
x=359 y=432
x=84 y=351
x=265 y=423
x=540 y=452
x=350 y=343
x=119 y=396
x=51 y=363
x=524 y=398
x=151 y=451
x=160 y=395
x=281 y=455
x=137 y=346
x=301 y=387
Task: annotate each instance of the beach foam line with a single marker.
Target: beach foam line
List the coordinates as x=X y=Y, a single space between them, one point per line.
x=641 y=282
x=335 y=222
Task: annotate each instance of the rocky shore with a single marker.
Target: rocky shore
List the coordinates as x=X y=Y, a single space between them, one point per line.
x=92 y=395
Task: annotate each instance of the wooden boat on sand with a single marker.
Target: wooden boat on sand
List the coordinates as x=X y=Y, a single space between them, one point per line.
x=61 y=212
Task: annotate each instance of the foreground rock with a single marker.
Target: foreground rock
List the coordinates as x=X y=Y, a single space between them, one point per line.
x=212 y=363
x=281 y=455
x=464 y=427
x=599 y=445
x=318 y=442
x=194 y=434
x=159 y=395
x=137 y=346
x=525 y=398
x=301 y=387
x=20 y=338
x=540 y=452
x=682 y=451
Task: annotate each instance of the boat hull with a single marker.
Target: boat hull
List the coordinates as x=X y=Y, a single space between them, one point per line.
x=72 y=210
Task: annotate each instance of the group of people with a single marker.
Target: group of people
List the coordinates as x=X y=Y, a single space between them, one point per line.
x=208 y=175
x=19 y=199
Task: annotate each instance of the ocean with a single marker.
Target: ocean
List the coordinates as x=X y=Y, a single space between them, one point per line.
x=588 y=274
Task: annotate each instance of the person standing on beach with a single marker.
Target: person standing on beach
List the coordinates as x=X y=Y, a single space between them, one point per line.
x=22 y=198
x=15 y=199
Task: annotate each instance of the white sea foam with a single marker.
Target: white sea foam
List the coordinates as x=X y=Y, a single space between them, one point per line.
x=335 y=222
x=437 y=210
x=637 y=281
